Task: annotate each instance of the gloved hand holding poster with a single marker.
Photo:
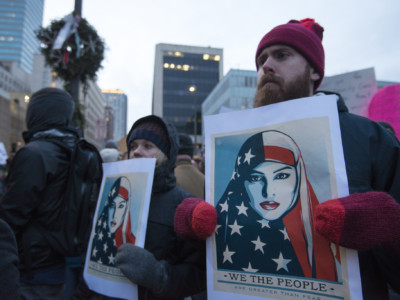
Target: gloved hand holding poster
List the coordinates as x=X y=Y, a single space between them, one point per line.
x=121 y=217
x=265 y=175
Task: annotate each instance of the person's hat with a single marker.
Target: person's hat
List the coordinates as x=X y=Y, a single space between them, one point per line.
x=49 y=107
x=109 y=154
x=111 y=144
x=185 y=145
x=151 y=128
x=305 y=36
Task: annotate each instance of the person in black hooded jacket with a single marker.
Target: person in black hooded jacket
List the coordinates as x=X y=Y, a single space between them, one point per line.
x=35 y=183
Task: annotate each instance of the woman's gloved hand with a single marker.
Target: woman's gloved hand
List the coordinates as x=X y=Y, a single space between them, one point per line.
x=141 y=267
x=195 y=219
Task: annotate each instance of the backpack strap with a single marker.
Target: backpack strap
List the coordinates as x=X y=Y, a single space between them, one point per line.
x=94 y=171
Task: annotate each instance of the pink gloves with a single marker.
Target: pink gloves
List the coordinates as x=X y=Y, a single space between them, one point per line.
x=360 y=221
x=195 y=219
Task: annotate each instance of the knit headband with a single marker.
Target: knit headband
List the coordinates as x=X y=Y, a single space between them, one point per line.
x=152 y=130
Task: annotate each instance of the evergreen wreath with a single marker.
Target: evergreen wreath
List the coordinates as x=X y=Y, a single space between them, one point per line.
x=81 y=53
x=78 y=58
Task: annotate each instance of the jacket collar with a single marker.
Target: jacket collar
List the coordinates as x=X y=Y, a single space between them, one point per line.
x=50 y=132
x=340 y=101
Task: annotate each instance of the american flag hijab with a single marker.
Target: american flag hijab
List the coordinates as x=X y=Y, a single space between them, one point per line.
x=289 y=245
x=107 y=241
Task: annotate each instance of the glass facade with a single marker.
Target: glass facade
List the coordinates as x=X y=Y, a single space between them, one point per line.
x=184 y=76
x=19 y=19
x=118 y=102
x=234 y=92
x=181 y=106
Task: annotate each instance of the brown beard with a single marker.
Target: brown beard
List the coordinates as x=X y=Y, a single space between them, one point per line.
x=298 y=88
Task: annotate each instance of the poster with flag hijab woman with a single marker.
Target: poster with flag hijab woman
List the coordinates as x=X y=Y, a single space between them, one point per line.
x=266 y=176
x=121 y=217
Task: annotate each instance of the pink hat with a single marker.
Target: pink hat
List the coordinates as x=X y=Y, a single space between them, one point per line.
x=305 y=36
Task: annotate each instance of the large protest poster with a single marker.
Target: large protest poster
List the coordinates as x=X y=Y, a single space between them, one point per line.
x=121 y=217
x=267 y=170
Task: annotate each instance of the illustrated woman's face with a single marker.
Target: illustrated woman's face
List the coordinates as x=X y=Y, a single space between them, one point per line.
x=116 y=213
x=271 y=188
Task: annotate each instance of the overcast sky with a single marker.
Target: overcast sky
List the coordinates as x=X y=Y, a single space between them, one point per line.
x=358 y=35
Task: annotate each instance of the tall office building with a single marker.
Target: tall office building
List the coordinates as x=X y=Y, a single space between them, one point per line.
x=183 y=78
x=118 y=101
x=18 y=21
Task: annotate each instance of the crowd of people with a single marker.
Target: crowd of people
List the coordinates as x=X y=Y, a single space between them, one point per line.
x=290 y=63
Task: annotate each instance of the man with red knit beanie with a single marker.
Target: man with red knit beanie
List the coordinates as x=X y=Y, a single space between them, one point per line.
x=290 y=63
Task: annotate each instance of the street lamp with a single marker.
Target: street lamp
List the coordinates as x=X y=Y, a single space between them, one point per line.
x=192 y=89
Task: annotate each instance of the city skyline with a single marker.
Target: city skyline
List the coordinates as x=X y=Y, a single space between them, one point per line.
x=18 y=23
x=357 y=36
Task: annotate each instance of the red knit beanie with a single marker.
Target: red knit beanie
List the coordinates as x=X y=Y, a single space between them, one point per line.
x=305 y=36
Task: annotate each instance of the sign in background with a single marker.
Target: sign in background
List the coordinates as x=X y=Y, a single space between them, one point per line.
x=357 y=89
x=385 y=106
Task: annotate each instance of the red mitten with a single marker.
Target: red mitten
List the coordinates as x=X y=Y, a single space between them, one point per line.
x=360 y=221
x=195 y=219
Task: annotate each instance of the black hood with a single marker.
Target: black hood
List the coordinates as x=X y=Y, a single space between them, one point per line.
x=164 y=178
x=49 y=108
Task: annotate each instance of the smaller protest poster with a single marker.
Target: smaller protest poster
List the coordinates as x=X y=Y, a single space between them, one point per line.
x=121 y=217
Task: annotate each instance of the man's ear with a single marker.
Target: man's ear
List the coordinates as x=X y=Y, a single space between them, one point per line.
x=314 y=76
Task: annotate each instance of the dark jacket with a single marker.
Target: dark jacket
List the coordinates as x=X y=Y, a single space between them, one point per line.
x=186 y=261
x=372 y=158
x=36 y=183
x=189 y=177
x=9 y=276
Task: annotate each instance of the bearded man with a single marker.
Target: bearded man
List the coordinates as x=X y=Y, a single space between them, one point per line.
x=290 y=63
